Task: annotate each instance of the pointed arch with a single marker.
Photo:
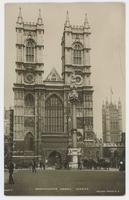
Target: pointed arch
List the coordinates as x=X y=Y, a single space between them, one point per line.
x=56 y=94
x=77 y=53
x=55 y=159
x=77 y=44
x=30 y=50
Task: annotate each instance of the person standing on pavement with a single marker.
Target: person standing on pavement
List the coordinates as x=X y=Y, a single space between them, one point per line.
x=34 y=166
x=11 y=170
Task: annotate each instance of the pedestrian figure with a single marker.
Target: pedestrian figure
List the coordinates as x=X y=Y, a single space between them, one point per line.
x=42 y=165
x=79 y=165
x=11 y=169
x=33 y=166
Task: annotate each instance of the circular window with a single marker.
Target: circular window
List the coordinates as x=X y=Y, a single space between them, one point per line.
x=78 y=79
x=29 y=78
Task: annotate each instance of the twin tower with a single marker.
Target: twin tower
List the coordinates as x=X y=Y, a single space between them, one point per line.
x=75 y=50
x=42 y=109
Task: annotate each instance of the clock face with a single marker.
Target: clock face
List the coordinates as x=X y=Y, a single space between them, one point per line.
x=79 y=79
x=29 y=78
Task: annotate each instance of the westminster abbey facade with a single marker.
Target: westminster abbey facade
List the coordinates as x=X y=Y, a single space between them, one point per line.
x=42 y=111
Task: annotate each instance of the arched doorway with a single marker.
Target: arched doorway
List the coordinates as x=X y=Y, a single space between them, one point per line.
x=54 y=159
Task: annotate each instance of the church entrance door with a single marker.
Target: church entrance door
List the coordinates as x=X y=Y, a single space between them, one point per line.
x=54 y=160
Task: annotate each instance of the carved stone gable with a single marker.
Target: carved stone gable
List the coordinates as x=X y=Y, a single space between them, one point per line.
x=53 y=76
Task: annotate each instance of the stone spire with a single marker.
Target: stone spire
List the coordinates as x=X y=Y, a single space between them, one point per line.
x=67 y=22
x=20 y=19
x=40 y=20
x=86 y=24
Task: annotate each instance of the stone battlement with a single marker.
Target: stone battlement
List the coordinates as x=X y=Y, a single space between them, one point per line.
x=30 y=25
x=77 y=28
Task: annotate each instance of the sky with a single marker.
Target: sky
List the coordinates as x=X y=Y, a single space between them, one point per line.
x=107 y=47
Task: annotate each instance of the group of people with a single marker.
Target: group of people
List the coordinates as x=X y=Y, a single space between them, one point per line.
x=34 y=165
x=87 y=163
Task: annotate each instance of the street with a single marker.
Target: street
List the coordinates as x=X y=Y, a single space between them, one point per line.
x=66 y=182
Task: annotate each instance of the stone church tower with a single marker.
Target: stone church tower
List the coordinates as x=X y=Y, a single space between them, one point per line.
x=112 y=122
x=29 y=71
x=42 y=111
x=76 y=60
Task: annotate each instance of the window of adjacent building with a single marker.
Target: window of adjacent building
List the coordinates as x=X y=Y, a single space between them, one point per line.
x=54 y=115
x=77 y=54
x=30 y=51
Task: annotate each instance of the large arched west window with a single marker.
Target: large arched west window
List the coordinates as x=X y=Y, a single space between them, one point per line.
x=77 y=54
x=54 y=115
x=29 y=104
x=29 y=142
x=30 y=50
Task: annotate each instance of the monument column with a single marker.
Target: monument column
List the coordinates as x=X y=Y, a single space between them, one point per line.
x=74 y=151
x=74 y=130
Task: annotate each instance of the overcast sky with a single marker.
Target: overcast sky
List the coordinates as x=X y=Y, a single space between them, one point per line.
x=107 y=44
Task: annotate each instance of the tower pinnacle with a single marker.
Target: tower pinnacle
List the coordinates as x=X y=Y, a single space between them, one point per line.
x=40 y=13
x=20 y=19
x=86 y=24
x=67 y=22
x=39 y=20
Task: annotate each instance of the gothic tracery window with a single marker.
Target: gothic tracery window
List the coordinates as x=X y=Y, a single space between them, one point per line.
x=54 y=114
x=30 y=51
x=77 y=54
x=29 y=104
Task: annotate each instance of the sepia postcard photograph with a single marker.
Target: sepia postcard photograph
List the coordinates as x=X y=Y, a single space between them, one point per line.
x=64 y=99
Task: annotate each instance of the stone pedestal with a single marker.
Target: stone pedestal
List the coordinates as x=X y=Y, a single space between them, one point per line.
x=74 y=152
